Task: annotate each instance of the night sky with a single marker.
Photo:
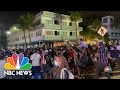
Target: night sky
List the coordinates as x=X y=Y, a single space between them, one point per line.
x=8 y=18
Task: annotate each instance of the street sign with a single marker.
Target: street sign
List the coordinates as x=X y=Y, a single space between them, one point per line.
x=102 y=31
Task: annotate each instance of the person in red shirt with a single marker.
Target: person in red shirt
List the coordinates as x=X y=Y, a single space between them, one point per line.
x=72 y=53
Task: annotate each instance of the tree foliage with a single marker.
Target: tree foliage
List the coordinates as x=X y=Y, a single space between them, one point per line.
x=90 y=33
x=75 y=16
x=26 y=21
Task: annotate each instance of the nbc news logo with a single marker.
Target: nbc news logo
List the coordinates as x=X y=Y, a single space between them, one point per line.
x=18 y=65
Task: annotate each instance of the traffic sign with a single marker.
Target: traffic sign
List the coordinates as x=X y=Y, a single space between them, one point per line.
x=102 y=31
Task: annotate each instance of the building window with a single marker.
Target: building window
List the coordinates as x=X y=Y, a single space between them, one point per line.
x=105 y=20
x=38 y=33
x=48 y=32
x=73 y=33
x=70 y=24
x=70 y=33
x=56 y=22
x=111 y=20
x=115 y=34
x=56 y=32
x=48 y=21
x=16 y=39
x=73 y=24
x=79 y=24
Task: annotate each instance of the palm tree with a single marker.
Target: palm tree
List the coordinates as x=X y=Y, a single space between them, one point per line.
x=75 y=17
x=26 y=23
x=116 y=24
x=30 y=19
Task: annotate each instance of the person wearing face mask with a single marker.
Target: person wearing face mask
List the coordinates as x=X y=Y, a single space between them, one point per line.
x=60 y=62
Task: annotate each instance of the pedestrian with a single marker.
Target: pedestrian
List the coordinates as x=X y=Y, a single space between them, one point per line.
x=60 y=62
x=102 y=55
x=36 y=65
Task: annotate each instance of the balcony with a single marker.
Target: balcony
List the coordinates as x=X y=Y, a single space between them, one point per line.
x=58 y=27
x=60 y=38
x=71 y=37
x=72 y=28
x=51 y=37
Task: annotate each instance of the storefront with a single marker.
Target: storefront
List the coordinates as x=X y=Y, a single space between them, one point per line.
x=56 y=44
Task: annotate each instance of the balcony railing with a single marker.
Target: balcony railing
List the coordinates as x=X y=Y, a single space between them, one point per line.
x=58 y=27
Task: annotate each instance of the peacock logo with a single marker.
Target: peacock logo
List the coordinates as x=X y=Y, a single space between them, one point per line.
x=17 y=62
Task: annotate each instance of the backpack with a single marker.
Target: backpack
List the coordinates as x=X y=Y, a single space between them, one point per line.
x=62 y=75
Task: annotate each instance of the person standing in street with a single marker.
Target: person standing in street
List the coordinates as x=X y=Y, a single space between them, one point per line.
x=102 y=55
x=36 y=68
x=60 y=62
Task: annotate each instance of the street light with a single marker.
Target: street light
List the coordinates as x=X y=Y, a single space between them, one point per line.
x=8 y=32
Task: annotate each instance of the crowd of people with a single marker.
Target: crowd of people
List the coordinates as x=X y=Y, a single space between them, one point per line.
x=65 y=62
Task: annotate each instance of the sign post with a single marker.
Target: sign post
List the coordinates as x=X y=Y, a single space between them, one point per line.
x=102 y=31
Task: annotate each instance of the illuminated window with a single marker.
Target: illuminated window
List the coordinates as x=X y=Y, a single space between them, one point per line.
x=48 y=32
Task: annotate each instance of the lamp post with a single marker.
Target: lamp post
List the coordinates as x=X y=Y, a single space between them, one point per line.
x=8 y=32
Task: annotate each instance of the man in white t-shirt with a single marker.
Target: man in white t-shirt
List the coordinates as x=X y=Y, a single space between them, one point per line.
x=35 y=58
x=2 y=69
